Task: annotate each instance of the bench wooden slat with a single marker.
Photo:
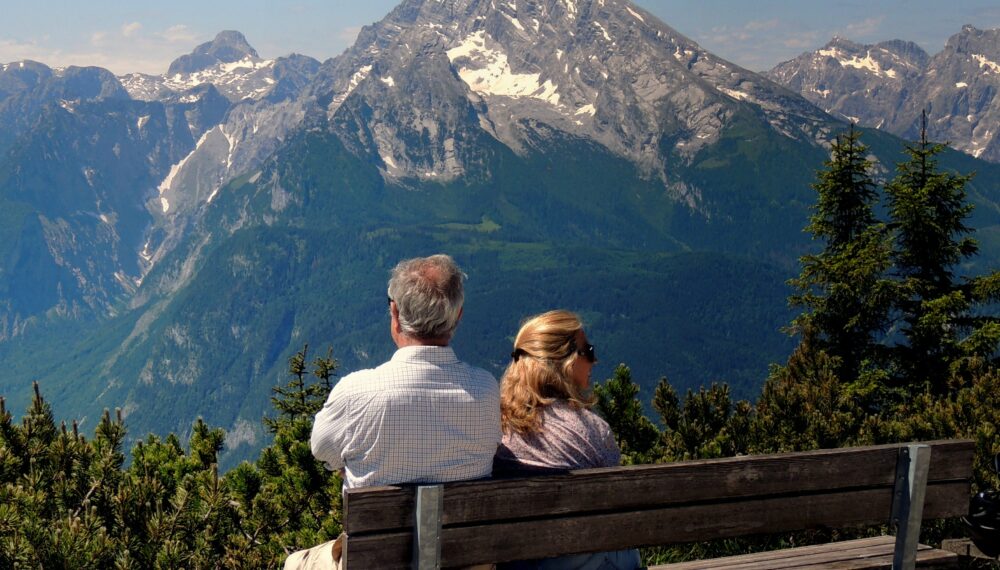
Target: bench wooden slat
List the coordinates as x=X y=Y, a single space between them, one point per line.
x=850 y=548
x=390 y=508
x=928 y=559
x=498 y=542
x=853 y=554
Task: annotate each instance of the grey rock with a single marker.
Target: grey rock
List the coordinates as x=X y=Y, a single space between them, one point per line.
x=28 y=87
x=227 y=47
x=888 y=85
x=603 y=70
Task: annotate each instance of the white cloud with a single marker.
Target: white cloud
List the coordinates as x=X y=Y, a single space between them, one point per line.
x=14 y=50
x=130 y=48
x=864 y=28
x=757 y=44
x=763 y=25
x=178 y=34
x=130 y=29
x=805 y=41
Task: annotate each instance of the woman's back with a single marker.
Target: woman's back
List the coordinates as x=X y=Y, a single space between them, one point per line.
x=547 y=425
x=568 y=438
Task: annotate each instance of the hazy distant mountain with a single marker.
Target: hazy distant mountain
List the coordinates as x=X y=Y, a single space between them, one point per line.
x=231 y=65
x=26 y=87
x=887 y=85
x=81 y=165
x=227 y=47
x=577 y=154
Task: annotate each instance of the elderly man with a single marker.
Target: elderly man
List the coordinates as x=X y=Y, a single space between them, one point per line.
x=422 y=417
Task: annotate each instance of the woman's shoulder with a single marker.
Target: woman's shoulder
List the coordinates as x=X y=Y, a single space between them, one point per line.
x=566 y=412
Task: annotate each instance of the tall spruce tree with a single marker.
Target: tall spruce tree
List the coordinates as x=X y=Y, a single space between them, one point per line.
x=843 y=288
x=928 y=209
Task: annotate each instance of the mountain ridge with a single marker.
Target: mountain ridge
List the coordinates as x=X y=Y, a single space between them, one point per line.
x=669 y=217
x=890 y=84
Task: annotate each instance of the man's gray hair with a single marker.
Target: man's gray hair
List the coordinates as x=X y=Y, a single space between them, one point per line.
x=428 y=293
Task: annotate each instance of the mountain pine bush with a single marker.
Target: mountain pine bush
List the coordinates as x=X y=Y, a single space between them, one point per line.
x=67 y=501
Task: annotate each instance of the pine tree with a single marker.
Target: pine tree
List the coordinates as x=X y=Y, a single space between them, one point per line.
x=289 y=500
x=928 y=208
x=298 y=400
x=325 y=368
x=804 y=405
x=619 y=405
x=843 y=288
x=707 y=425
x=69 y=502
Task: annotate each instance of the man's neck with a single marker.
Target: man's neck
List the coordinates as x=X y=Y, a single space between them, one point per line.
x=406 y=340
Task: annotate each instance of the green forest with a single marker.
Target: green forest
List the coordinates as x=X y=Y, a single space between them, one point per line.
x=894 y=344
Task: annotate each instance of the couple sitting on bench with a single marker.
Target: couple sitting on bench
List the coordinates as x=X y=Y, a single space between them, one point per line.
x=426 y=417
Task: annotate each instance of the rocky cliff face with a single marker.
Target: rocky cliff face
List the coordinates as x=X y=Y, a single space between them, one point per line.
x=606 y=71
x=87 y=164
x=232 y=66
x=239 y=108
x=567 y=152
x=27 y=87
x=421 y=90
x=888 y=85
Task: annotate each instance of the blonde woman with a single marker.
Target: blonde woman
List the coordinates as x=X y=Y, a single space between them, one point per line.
x=547 y=422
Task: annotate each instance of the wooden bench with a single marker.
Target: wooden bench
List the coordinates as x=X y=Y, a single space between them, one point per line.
x=592 y=510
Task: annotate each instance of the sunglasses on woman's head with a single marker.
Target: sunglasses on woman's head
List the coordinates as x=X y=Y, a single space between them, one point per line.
x=588 y=352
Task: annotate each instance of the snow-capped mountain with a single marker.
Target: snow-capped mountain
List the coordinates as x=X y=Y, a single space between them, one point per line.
x=420 y=90
x=604 y=70
x=887 y=86
x=183 y=241
x=89 y=161
x=259 y=102
x=231 y=65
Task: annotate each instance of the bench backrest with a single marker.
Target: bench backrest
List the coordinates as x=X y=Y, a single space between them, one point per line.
x=610 y=509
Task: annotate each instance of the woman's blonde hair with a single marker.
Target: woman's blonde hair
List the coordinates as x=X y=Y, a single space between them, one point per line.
x=540 y=371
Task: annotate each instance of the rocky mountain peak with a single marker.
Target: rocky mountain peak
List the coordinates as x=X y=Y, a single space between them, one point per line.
x=890 y=84
x=909 y=52
x=603 y=70
x=38 y=80
x=229 y=46
x=843 y=43
x=89 y=83
x=20 y=76
x=974 y=41
x=230 y=64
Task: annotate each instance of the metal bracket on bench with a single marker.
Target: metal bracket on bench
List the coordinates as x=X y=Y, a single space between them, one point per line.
x=427 y=527
x=908 y=503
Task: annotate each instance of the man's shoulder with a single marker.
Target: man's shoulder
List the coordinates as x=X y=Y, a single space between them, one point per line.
x=395 y=372
x=478 y=374
x=359 y=380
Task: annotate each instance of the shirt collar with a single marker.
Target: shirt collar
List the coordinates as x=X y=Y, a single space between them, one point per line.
x=429 y=354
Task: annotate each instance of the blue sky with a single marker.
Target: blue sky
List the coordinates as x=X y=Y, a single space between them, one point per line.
x=126 y=36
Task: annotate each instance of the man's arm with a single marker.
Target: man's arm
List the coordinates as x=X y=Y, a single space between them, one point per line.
x=329 y=432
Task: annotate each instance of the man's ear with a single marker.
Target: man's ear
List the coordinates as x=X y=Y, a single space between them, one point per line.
x=394 y=317
x=460 y=311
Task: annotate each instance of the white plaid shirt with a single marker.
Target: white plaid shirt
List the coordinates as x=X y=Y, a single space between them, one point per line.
x=422 y=417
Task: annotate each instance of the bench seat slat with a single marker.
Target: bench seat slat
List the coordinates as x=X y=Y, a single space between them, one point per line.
x=391 y=508
x=498 y=542
x=852 y=554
